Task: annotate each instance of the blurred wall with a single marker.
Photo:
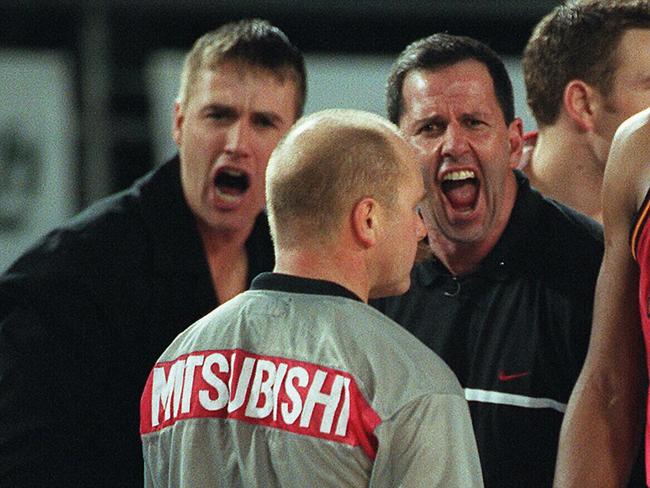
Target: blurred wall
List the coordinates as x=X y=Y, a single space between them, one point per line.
x=37 y=147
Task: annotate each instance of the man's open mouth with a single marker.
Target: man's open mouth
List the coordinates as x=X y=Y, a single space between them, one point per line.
x=231 y=183
x=461 y=189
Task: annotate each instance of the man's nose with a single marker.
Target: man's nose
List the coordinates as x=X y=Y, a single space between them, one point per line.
x=238 y=138
x=454 y=141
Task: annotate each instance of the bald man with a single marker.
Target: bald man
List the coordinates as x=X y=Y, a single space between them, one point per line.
x=298 y=382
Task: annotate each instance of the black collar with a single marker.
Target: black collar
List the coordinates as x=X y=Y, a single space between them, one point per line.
x=297 y=284
x=177 y=246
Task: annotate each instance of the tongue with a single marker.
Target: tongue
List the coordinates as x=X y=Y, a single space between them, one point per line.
x=461 y=194
x=229 y=190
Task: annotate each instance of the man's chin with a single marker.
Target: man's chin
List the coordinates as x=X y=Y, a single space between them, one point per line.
x=227 y=223
x=468 y=232
x=392 y=290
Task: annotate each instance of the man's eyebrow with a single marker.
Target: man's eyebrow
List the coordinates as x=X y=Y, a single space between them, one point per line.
x=476 y=114
x=274 y=116
x=219 y=107
x=430 y=118
x=230 y=110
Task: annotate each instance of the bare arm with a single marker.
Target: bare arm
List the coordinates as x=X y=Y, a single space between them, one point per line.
x=602 y=426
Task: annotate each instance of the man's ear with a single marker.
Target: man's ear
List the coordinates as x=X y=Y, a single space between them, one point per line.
x=177 y=127
x=580 y=102
x=516 y=141
x=365 y=221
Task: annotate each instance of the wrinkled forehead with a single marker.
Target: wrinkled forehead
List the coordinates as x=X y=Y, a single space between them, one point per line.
x=466 y=85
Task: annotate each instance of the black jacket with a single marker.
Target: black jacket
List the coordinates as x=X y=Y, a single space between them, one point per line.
x=83 y=317
x=515 y=331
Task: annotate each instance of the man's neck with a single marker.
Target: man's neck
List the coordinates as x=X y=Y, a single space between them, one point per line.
x=461 y=258
x=340 y=267
x=227 y=259
x=219 y=242
x=565 y=169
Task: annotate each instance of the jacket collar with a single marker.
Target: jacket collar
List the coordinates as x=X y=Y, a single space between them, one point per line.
x=169 y=222
x=298 y=284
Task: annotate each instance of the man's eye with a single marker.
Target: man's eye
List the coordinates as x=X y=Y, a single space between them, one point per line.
x=265 y=121
x=430 y=128
x=218 y=115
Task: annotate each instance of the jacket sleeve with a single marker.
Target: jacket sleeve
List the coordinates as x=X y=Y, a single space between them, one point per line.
x=46 y=416
x=430 y=442
x=33 y=437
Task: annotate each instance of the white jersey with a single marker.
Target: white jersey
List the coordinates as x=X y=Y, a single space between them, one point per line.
x=298 y=383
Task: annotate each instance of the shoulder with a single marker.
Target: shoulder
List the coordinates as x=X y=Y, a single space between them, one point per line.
x=401 y=356
x=630 y=142
x=627 y=174
x=108 y=234
x=565 y=225
x=562 y=239
x=571 y=248
x=369 y=344
x=97 y=229
x=634 y=129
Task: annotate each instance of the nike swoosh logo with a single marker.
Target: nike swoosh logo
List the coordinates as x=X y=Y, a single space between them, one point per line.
x=513 y=376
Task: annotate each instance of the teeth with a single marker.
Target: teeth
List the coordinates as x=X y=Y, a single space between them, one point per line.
x=228 y=197
x=233 y=172
x=459 y=175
